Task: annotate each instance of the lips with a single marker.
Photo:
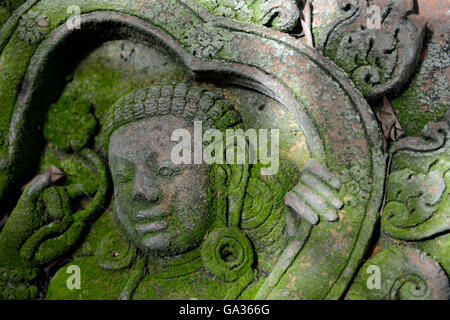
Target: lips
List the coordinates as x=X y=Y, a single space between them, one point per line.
x=152 y=227
x=151 y=221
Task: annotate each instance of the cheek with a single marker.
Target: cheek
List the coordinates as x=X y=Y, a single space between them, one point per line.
x=191 y=186
x=122 y=197
x=189 y=196
x=120 y=192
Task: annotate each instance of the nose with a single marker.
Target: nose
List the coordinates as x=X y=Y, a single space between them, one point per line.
x=146 y=187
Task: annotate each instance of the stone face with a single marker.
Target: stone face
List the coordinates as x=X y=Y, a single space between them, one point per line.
x=175 y=219
x=88 y=127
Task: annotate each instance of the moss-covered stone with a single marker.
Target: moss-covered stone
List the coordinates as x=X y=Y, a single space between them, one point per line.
x=4 y=15
x=70 y=124
x=95 y=282
x=12 y=4
x=439 y=249
x=280 y=16
x=226 y=265
x=49 y=221
x=282 y=63
x=400 y=273
x=426 y=99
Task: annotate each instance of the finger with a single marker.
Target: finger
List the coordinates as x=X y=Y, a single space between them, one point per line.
x=316 y=202
x=39 y=183
x=321 y=188
x=303 y=210
x=65 y=242
x=323 y=173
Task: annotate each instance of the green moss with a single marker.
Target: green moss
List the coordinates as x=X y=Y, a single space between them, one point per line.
x=96 y=283
x=80 y=175
x=264 y=212
x=105 y=76
x=439 y=249
x=426 y=99
x=50 y=221
x=190 y=283
x=404 y=274
x=105 y=224
x=16 y=272
x=413 y=112
x=4 y=15
x=12 y=4
x=70 y=124
x=115 y=253
x=13 y=69
x=96 y=83
x=221 y=244
x=251 y=11
x=56 y=214
x=16 y=52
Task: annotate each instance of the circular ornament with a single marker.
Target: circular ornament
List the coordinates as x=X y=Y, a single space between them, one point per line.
x=227 y=254
x=114 y=253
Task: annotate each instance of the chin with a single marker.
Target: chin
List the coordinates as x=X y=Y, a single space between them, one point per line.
x=166 y=249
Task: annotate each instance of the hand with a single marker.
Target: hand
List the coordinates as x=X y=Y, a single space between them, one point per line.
x=316 y=194
x=23 y=222
x=26 y=218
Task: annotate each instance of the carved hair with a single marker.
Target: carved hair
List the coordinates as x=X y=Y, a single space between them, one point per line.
x=180 y=100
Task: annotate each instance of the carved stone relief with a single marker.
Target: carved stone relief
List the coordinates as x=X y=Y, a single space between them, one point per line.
x=379 y=58
x=92 y=117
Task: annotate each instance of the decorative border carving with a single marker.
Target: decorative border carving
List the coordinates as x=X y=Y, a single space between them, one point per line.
x=332 y=114
x=380 y=59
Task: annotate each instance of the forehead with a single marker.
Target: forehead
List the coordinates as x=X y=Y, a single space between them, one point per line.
x=136 y=141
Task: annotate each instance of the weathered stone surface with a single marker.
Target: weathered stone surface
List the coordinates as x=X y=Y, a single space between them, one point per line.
x=426 y=98
x=380 y=59
x=79 y=105
x=200 y=35
x=279 y=15
x=439 y=249
x=404 y=274
x=418 y=192
x=324 y=13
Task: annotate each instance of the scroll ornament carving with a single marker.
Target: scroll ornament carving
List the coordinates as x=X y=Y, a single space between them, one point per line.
x=400 y=273
x=279 y=15
x=418 y=195
x=380 y=59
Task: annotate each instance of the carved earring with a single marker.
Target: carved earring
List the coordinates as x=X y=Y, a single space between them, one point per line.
x=114 y=252
x=227 y=253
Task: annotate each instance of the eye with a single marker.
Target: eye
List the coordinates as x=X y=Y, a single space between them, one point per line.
x=166 y=172
x=123 y=178
x=122 y=170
